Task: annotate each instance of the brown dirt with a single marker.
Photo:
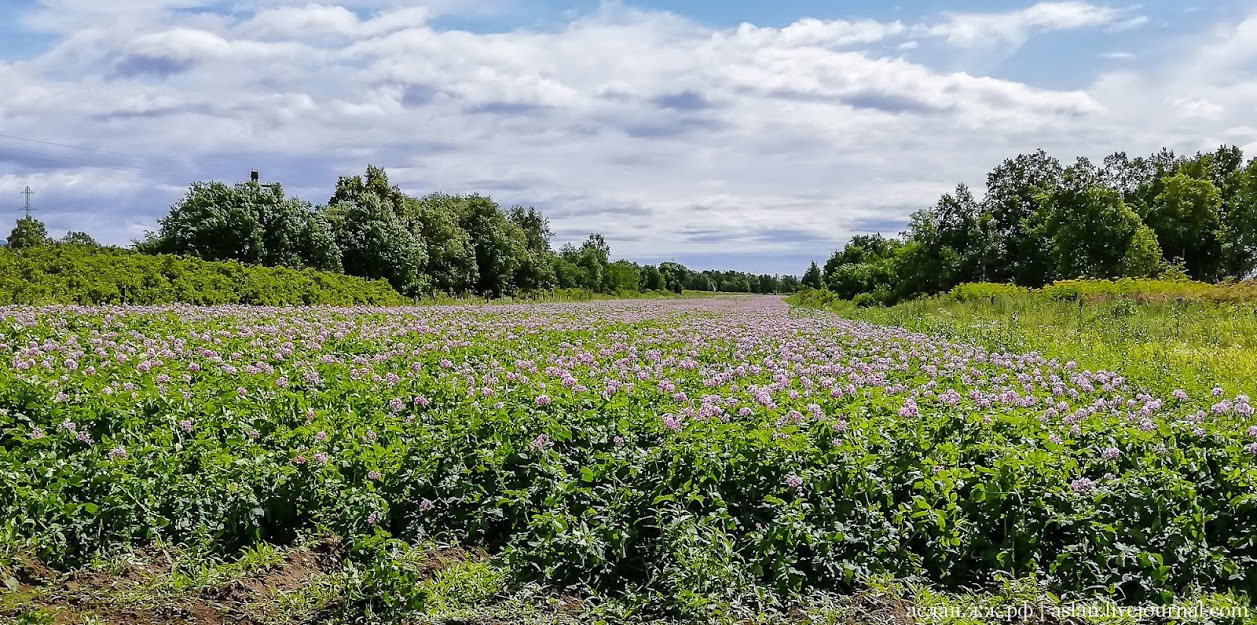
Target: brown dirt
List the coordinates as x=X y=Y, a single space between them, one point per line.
x=71 y=597
x=92 y=592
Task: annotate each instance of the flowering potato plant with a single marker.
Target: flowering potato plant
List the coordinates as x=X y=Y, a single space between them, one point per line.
x=694 y=449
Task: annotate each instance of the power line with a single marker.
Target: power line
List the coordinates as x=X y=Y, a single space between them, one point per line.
x=79 y=147
x=75 y=158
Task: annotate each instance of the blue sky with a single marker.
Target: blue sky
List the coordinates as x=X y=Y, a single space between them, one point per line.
x=741 y=134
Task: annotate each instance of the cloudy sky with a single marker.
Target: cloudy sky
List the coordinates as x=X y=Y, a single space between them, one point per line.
x=741 y=133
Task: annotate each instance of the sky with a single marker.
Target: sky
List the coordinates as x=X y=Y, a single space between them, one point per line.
x=738 y=134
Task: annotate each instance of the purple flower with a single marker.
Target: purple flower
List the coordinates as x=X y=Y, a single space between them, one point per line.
x=540 y=441
x=909 y=408
x=1110 y=453
x=374 y=476
x=1180 y=394
x=542 y=400
x=425 y=504
x=186 y=425
x=36 y=433
x=320 y=436
x=369 y=436
x=320 y=458
x=371 y=519
x=794 y=481
x=117 y=452
x=1082 y=485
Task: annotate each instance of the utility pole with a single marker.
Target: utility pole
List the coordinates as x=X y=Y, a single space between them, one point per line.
x=28 y=193
x=253 y=177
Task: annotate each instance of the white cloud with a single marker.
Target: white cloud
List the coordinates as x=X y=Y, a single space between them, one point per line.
x=663 y=134
x=1014 y=27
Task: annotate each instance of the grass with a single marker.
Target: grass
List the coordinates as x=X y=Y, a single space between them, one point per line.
x=1188 y=344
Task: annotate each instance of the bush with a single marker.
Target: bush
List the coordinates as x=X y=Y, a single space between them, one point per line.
x=65 y=274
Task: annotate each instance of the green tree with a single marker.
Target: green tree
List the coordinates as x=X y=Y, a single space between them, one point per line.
x=536 y=267
x=29 y=232
x=499 y=244
x=625 y=277
x=650 y=279
x=1185 y=217
x=1090 y=230
x=245 y=222
x=1020 y=253
x=375 y=243
x=812 y=277
x=1238 y=231
x=451 y=266
x=75 y=237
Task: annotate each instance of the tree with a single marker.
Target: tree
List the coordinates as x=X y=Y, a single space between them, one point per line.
x=674 y=276
x=75 y=237
x=374 y=181
x=498 y=244
x=812 y=277
x=650 y=278
x=1091 y=231
x=1185 y=217
x=624 y=276
x=248 y=223
x=1011 y=199
x=536 y=267
x=29 y=232
x=1238 y=231
x=375 y=243
x=451 y=266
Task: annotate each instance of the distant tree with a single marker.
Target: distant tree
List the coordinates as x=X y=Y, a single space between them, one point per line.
x=1237 y=233
x=451 y=265
x=75 y=237
x=650 y=279
x=625 y=277
x=498 y=243
x=674 y=276
x=247 y=223
x=1021 y=254
x=1090 y=230
x=1186 y=218
x=536 y=267
x=812 y=277
x=375 y=243
x=29 y=232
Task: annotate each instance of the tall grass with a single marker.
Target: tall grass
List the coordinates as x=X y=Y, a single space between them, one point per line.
x=1158 y=334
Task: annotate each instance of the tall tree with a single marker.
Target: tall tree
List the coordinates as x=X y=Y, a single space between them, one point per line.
x=1011 y=200
x=29 y=232
x=375 y=243
x=498 y=243
x=1185 y=217
x=812 y=277
x=245 y=222
x=451 y=265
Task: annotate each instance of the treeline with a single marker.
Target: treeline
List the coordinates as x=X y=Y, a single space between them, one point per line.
x=454 y=245
x=1041 y=221
x=83 y=273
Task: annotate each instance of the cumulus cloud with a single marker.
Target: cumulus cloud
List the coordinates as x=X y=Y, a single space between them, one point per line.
x=658 y=131
x=1014 y=27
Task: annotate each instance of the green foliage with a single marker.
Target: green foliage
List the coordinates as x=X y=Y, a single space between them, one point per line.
x=1040 y=222
x=29 y=232
x=248 y=223
x=986 y=290
x=73 y=274
x=376 y=244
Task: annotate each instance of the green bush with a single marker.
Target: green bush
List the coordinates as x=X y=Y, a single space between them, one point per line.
x=65 y=274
